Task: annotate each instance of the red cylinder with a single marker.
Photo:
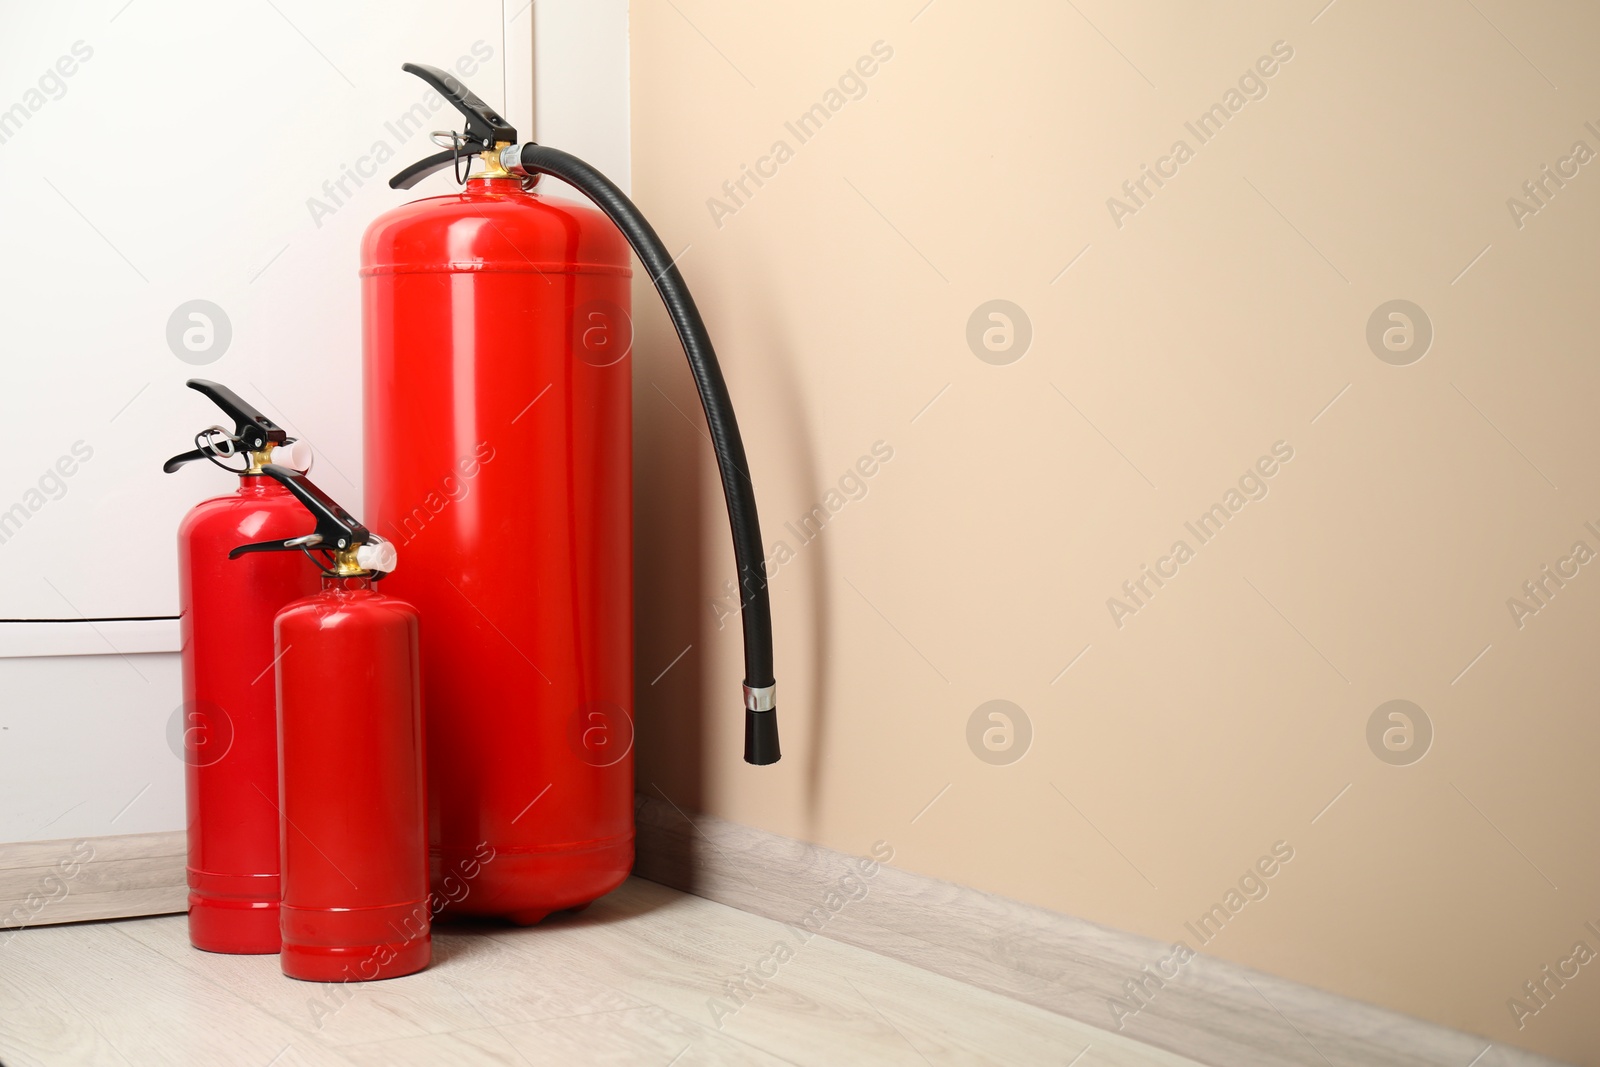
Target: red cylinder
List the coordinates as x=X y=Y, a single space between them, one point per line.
x=499 y=458
x=229 y=718
x=355 y=852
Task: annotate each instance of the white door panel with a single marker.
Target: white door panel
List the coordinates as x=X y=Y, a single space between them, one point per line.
x=201 y=151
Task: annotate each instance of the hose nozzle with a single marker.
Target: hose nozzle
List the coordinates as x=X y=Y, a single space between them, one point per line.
x=761 y=725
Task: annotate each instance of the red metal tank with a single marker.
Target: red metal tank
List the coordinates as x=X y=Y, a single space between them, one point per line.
x=355 y=869
x=499 y=458
x=228 y=719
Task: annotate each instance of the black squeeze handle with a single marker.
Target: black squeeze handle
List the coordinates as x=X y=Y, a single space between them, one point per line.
x=336 y=527
x=485 y=127
x=484 y=124
x=254 y=430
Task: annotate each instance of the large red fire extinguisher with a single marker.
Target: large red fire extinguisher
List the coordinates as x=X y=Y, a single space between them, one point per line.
x=498 y=454
x=229 y=727
x=354 y=841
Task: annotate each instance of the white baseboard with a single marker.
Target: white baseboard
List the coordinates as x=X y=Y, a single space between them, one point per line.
x=1215 y=1011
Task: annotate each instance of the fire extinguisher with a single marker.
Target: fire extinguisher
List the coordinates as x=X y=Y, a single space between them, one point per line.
x=355 y=852
x=230 y=741
x=498 y=413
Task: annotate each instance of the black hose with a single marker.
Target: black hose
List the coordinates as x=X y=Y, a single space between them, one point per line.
x=755 y=615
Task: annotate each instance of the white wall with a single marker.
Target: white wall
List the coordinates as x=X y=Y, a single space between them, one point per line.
x=581 y=92
x=197 y=151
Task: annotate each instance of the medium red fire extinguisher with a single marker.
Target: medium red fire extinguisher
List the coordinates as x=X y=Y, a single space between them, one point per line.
x=499 y=454
x=229 y=726
x=354 y=841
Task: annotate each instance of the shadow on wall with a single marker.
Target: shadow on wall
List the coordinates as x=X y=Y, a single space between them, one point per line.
x=676 y=492
x=812 y=684
x=670 y=584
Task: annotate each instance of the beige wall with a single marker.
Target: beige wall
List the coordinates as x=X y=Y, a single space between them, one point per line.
x=1220 y=318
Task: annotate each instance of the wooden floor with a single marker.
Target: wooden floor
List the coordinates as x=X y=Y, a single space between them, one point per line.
x=636 y=979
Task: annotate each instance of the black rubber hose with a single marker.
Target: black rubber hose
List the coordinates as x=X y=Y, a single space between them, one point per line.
x=755 y=615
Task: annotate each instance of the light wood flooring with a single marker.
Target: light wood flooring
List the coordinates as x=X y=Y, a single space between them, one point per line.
x=639 y=978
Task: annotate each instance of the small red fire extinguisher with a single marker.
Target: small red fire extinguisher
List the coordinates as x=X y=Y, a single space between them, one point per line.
x=228 y=717
x=355 y=902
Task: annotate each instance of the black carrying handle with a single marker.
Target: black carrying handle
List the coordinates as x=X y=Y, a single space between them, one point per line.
x=289 y=544
x=424 y=167
x=485 y=126
x=184 y=457
x=253 y=430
